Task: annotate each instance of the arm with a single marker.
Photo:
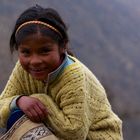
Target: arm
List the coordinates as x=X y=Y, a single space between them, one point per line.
x=69 y=116
x=17 y=88
x=106 y=124
x=11 y=91
x=82 y=112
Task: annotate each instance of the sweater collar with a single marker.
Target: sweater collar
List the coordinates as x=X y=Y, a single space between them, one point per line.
x=54 y=74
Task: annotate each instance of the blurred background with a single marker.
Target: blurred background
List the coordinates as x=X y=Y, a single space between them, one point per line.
x=105 y=36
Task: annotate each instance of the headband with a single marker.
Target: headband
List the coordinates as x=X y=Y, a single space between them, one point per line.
x=38 y=22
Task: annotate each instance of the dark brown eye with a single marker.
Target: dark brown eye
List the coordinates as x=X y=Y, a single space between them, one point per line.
x=24 y=52
x=45 y=50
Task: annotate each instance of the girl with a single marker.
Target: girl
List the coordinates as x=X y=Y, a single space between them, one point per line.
x=49 y=85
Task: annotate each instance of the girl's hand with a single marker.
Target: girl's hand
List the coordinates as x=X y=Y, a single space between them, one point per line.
x=33 y=108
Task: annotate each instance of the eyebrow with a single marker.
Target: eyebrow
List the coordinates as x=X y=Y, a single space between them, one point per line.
x=23 y=47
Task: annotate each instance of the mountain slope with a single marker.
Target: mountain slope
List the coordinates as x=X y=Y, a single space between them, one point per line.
x=105 y=35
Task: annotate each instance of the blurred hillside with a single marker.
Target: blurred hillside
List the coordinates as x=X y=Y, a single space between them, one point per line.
x=104 y=35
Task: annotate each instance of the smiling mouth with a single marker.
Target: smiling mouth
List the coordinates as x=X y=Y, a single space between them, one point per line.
x=37 y=70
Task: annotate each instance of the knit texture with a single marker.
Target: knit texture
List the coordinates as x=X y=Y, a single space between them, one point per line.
x=77 y=102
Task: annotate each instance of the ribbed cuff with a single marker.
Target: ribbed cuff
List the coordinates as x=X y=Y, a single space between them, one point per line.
x=13 y=104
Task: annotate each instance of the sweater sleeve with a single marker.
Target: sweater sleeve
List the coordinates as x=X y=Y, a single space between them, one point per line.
x=81 y=110
x=68 y=113
x=11 y=91
x=105 y=123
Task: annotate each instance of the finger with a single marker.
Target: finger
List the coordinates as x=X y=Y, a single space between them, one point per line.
x=29 y=115
x=40 y=112
x=43 y=108
x=34 y=116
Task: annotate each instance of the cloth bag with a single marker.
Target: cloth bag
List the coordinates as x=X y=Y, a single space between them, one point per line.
x=24 y=129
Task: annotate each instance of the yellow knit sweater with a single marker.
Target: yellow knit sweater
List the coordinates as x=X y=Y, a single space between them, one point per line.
x=77 y=102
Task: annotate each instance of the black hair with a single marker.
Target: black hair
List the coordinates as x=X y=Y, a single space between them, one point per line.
x=38 y=13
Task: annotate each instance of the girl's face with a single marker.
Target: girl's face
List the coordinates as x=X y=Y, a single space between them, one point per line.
x=39 y=55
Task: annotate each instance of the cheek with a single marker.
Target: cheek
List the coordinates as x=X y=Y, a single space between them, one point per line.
x=53 y=62
x=58 y=60
x=23 y=62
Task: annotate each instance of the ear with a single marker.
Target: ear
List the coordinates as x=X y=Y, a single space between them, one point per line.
x=64 y=48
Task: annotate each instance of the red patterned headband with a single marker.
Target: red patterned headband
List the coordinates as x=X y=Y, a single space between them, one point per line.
x=38 y=22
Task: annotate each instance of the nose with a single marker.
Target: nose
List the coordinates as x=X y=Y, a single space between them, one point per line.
x=35 y=60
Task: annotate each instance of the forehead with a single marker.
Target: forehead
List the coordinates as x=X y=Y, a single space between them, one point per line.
x=37 y=39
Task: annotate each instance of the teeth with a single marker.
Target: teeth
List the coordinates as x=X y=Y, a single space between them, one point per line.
x=36 y=69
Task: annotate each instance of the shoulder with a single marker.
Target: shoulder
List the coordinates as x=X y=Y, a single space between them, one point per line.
x=73 y=70
x=19 y=73
x=77 y=71
x=81 y=71
x=18 y=70
x=23 y=78
x=79 y=68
